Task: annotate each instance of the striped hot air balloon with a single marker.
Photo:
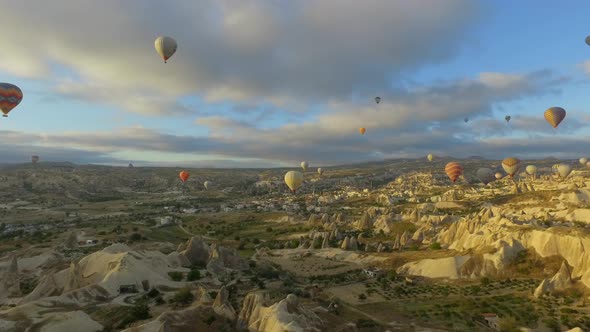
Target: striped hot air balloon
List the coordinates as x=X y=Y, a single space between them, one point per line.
x=10 y=96
x=453 y=170
x=554 y=116
x=511 y=166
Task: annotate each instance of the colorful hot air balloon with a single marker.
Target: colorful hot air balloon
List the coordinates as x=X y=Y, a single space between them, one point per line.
x=320 y=171
x=35 y=159
x=293 y=179
x=10 y=96
x=166 y=47
x=511 y=166
x=453 y=170
x=207 y=184
x=184 y=175
x=430 y=157
x=507 y=118
x=485 y=175
x=377 y=100
x=583 y=160
x=531 y=169
x=554 y=116
x=564 y=170
x=304 y=166
x=498 y=176
x=362 y=130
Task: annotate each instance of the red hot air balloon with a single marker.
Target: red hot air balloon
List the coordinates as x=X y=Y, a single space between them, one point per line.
x=453 y=170
x=184 y=176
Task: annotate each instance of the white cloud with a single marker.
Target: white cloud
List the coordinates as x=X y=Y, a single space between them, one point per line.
x=289 y=53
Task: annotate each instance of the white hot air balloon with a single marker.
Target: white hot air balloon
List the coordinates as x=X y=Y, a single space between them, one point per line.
x=498 y=176
x=583 y=160
x=320 y=171
x=208 y=184
x=531 y=170
x=293 y=179
x=304 y=166
x=564 y=170
x=430 y=157
x=166 y=47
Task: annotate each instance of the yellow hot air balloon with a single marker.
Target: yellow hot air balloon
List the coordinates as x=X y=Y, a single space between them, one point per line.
x=430 y=157
x=293 y=179
x=554 y=116
x=362 y=130
x=304 y=166
x=166 y=47
x=511 y=166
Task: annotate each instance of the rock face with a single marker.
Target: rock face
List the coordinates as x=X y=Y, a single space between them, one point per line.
x=197 y=251
x=499 y=231
x=75 y=279
x=9 y=282
x=222 y=307
x=286 y=315
x=561 y=280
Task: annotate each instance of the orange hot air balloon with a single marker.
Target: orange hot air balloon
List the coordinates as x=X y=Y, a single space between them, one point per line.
x=184 y=176
x=362 y=130
x=554 y=116
x=511 y=166
x=10 y=96
x=453 y=170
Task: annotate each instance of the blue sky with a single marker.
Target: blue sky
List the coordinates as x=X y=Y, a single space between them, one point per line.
x=265 y=86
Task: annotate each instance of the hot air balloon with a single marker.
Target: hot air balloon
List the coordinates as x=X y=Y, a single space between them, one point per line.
x=184 y=175
x=507 y=118
x=485 y=175
x=130 y=165
x=531 y=169
x=453 y=170
x=377 y=100
x=166 y=47
x=511 y=166
x=583 y=160
x=35 y=159
x=304 y=166
x=498 y=176
x=430 y=157
x=588 y=40
x=554 y=116
x=320 y=171
x=10 y=96
x=362 y=130
x=588 y=164
x=293 y=179
x=207 y=184
x=466 y=119
x=564 y=170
